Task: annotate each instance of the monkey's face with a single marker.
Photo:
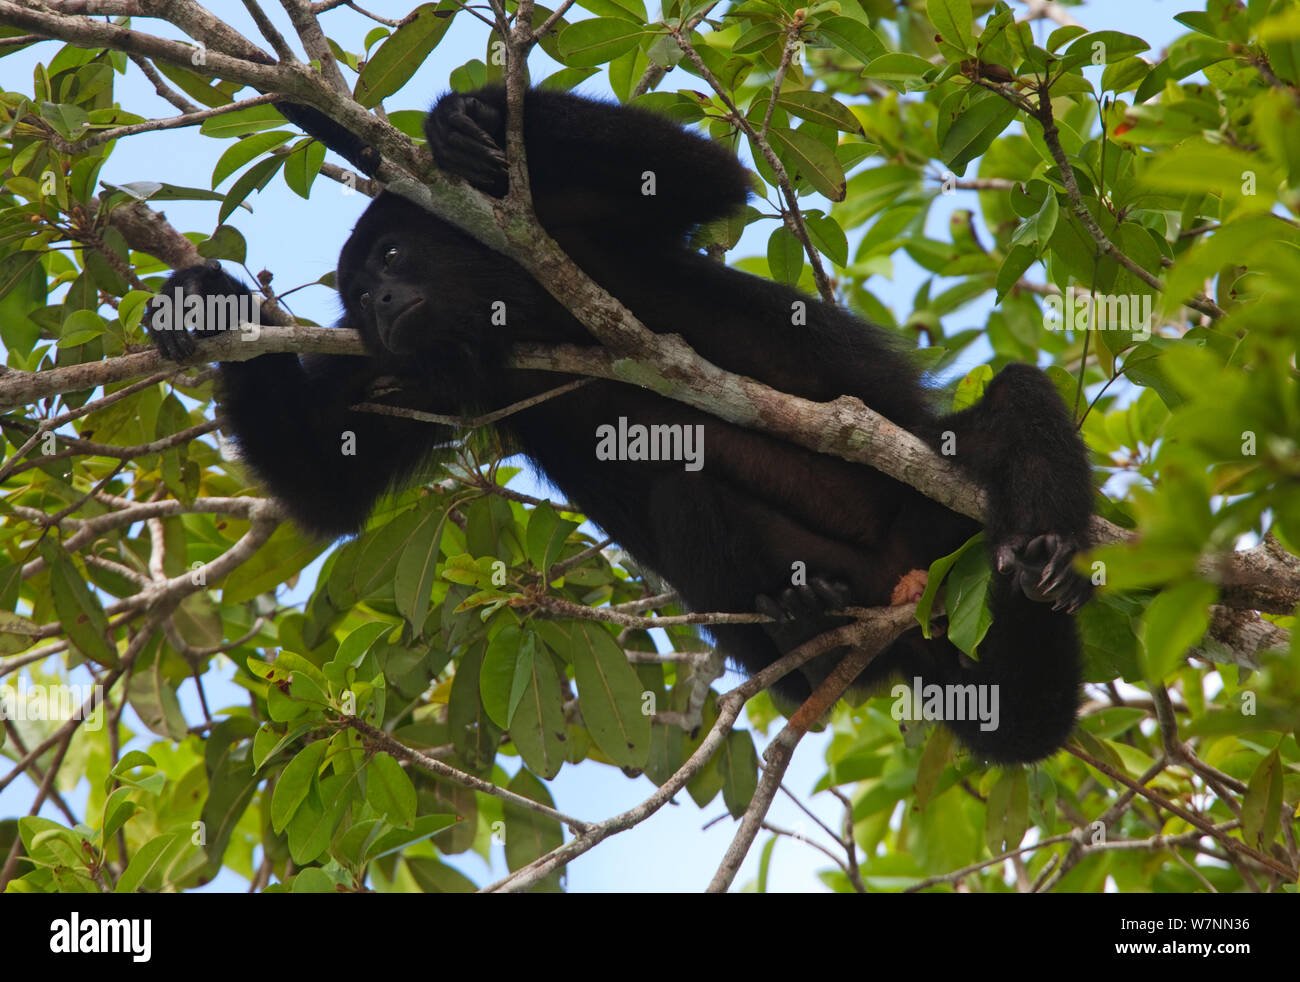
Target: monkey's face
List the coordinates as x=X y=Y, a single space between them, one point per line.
x=388 y=298
x=384 y=271
x=411 y=283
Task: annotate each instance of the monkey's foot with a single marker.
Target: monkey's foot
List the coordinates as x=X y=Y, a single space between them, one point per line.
x=911 y=585
x=1041 y=568
x=800 y=613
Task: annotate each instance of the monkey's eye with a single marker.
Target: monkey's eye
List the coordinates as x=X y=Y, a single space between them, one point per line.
x=390 y=256
x=364 y=300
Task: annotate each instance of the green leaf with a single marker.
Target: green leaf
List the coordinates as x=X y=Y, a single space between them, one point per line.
x=241 y=122
x=1019 y=258
x=231 y=782
x=284 y=556
x=938 y=570
x=738 y=765
x=952 y=19
x=1007 y=812
x=226 y=242
x=567 y=79
x=79 y=610
x=498 y=674
x=596 y=41
x=1124 y=75
x=899 y=66
x=809 y=159
x=1103 y=48
x=398 y=839
x=417 y=568
x=118 y=808
x=314 y=880
x=473 y=732
x=131 y=310
x=307 y=683
x=1174 y=621
x=197 y=87
x=79 y=327
x=1261 y=808
x=14 y=269
x=70 y=122
x=537 y=725
x=158 y=191
x=969 y=618
x=146 y=860
x=352 y=649
x=432 y=876
x=244 y=151
x=154 y=699
x=784 y=255
x=302 y=166
x=374 y=37
x=468 y=77
x=256 y=177
x=934 y=759
x=853 y=38
x=269 y=742
x=1064 y=35
x=396 y=60
x=312 y=826
x=761 y=35
x=1037 y=231
x=609 y=693
x=17 y=633
x=295 y=783
x=819 y=108
x=970 y=134
x=828 y=237
x=375 y=569
x=1198 y=167
x=389 y=790
x=1228 y=245
x=547 y=532
x=627 y=9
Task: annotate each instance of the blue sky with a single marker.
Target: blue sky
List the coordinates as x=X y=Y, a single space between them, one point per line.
x=299 y=240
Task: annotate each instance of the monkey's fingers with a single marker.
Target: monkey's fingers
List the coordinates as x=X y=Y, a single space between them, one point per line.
x=176 y=344
x=1045 y=574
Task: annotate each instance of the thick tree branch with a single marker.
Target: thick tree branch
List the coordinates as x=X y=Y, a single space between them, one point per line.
x=251 y=66
x=1258 y=579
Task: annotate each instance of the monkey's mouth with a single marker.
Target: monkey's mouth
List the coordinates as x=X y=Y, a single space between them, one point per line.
x=399 y=332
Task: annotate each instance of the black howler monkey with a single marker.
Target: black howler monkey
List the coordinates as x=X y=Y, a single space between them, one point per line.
x=423 y=296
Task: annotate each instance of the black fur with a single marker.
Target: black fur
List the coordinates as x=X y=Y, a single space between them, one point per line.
x=730 y=532
x=330 y=132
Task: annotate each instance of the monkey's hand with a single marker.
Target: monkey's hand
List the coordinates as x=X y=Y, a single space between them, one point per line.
x=1041 y=568
x=467 y=138
x=197 y=301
